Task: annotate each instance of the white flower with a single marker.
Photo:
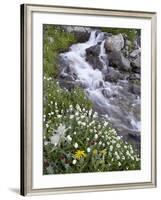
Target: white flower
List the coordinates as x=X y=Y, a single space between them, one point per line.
x=47 y=125
x=69 y=138
x=58 y=134
x=77 y=113
x=59 y=116
x=71 y=116
x=74 y=133
x=90 y=112
x=96 y=136
x=76 y=145
x=100 y=142
x=119 y=164
x=111 y=148
x=105 y=123
x=103 y=144
x=118 y=145
x=74 y=162
x=87 y=139
x=88 y=150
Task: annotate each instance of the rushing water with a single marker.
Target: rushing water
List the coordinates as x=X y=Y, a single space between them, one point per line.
x=111 y=100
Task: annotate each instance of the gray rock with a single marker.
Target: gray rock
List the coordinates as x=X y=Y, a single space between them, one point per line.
x=92 y=57
x=135 y=53
x=114 y=43
x=136 y=62
x=113 y=75
x=117 y=59
x=135 y=89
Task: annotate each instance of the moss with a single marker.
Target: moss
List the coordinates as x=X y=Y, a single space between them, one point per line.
x=55 y=41
x=131 y=33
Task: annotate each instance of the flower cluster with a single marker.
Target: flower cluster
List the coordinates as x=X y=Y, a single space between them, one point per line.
x=77 y=140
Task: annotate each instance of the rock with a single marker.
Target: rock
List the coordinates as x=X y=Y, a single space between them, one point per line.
x=113 y=75
x=125 y=65
x=134 y=76
x=136 y=65
x=135 y=89
x=114 y=43
x=92 y=57
x=117 y=59
x=81 y=33
x=135 y=53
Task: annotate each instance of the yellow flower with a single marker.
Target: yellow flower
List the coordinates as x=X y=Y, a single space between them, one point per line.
x=94 y=151
x=80 y=154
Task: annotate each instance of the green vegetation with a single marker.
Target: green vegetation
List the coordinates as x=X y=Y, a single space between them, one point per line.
x=76 y=140
x=131 y=33
x=55 y=41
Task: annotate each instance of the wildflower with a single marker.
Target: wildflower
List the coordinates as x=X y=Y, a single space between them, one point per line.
x=69 y=138
x=96 y=136
x=71 y=116
x=59 y=116
x=74 y=133
x=87 y=139
x=58 y=134
x=47 y=125
x=100 y=142
x=76 y=145
x=74 y=162
x=105 y=123
x=80 y=154
x=111 y=148
x=88 y=150
x=119 y=164
x=118 y=145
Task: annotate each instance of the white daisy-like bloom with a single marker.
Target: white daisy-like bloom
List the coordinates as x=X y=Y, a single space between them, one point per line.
x=59 y=116
x=111 y=148
x=90 y=112
x=118 y=145
x=71 y=116
x=69 y=138
x=87 y=139
x=77 y=113
x=56 y=103
x=76 y=145
x=96 y=136
x=103 y=144
x=105 y=123
x=88 y=150
x=123 y=157
x=47 y=125
x=119 y=164
x=100 y=142
x=74 y=133
x=51 y=102
x=74 y=162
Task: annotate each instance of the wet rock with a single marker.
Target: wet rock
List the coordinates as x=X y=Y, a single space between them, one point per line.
x=113 y=75
x=92 y=57
x=117 y=59
x=114 y=43
x=135 y=89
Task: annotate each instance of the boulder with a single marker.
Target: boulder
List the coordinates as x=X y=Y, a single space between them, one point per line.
x=114 y=43
x=117 y=59
x=92 y=57
x=113 y=75
x=135 y=53
x=136 y=62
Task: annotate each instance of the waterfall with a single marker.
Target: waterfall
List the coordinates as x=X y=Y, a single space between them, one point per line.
x=109 y=99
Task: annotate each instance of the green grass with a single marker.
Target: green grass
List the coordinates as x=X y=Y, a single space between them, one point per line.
x=86 y=143
x=55 y=41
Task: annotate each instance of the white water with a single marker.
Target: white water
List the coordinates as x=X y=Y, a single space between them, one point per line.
x=108 y=98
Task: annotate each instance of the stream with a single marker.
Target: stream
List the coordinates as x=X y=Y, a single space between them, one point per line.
x=112 y=100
